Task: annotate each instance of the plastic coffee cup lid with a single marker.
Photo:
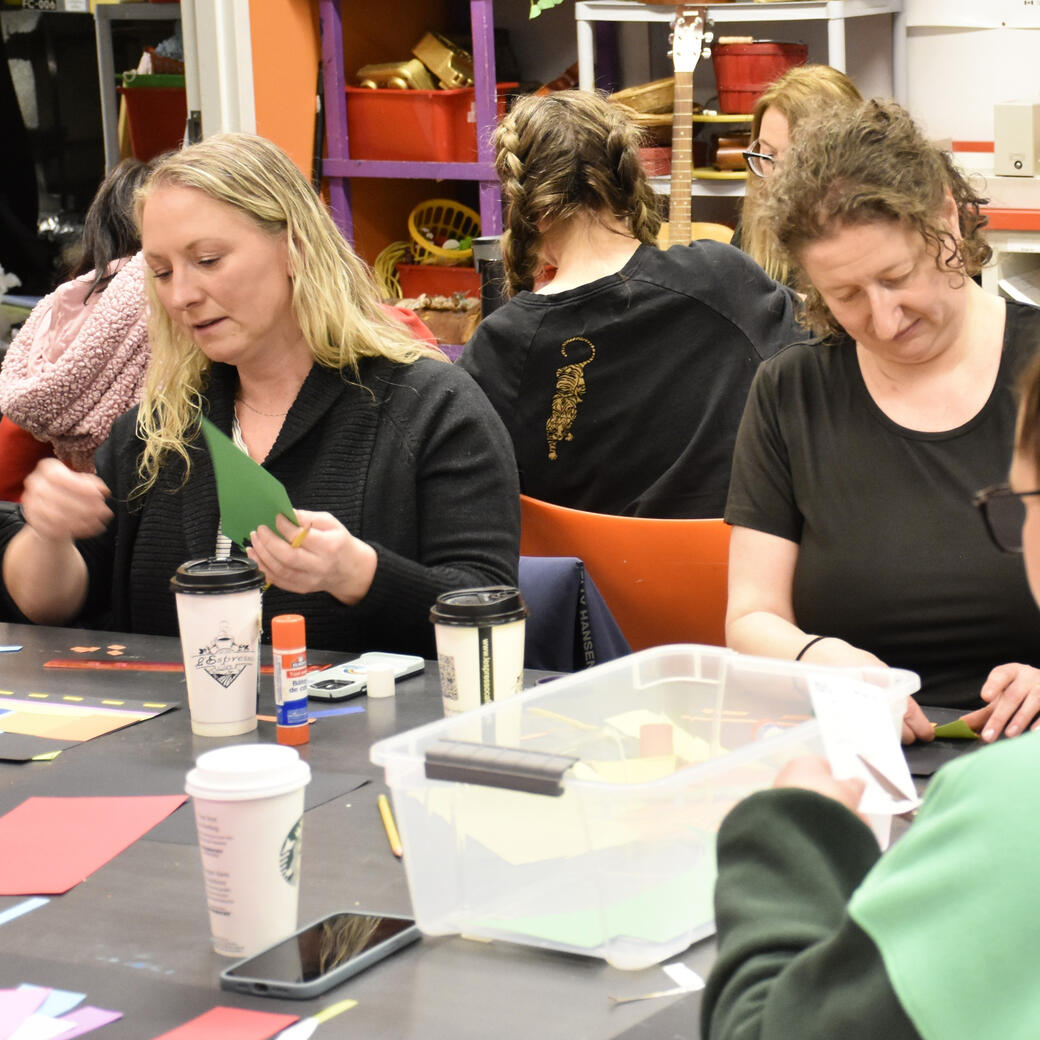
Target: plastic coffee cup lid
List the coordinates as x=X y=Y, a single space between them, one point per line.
x=234 y=574
x=492 y=605
x=243 y=772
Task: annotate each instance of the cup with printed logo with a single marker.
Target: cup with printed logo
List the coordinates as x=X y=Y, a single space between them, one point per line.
x=248 y=802
x=480 y=645
x=218 y=612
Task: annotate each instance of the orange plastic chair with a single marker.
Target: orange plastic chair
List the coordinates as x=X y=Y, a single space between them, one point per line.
x=664 y=580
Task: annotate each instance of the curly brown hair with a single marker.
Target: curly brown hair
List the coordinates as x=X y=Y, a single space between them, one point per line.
x=560 y=155
x=864 y=165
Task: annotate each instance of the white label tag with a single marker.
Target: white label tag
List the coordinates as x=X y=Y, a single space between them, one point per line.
x=683 y=976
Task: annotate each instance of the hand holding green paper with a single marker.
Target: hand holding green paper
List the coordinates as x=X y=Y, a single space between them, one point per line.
x=249 y=496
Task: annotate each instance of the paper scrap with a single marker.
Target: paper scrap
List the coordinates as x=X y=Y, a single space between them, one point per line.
x=856 y=720
x=40 y=1027
x=956 y=730
x=249 y=496
x=22 y=908
x=56 y=1001
x=228 y=1023
x=62 y=841
x=18 y=1005
x=683 y=976
x=85 y=1020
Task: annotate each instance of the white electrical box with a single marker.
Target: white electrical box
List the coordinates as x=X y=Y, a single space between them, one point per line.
x=1016 y=138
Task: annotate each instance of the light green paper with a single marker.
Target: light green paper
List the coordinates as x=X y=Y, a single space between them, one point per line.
x=249 y=496
x=956 y=730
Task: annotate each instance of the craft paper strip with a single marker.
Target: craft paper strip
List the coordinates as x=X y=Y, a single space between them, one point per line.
x=23 y=908
x=86 y=1019
x=956 y=730
x=228 y=1023
x=61 y=841
x=249 y=496
x=37 y=723
x=40 y=1027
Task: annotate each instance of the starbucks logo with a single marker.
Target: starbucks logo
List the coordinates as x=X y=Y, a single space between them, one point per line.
x=289 y=857
x=224 y=660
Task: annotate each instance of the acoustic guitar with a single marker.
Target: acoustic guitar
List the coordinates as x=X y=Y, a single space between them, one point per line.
x=689 y=35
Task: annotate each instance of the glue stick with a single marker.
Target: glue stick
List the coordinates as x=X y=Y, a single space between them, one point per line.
x=289 y=646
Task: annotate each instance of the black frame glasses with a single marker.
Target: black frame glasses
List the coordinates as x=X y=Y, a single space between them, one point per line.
x=1004 y=513
x=760 y=164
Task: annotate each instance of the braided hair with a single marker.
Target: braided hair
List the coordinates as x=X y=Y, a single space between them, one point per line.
x=560 y=155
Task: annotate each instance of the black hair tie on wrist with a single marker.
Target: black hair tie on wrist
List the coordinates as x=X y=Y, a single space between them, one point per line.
x=812 y=642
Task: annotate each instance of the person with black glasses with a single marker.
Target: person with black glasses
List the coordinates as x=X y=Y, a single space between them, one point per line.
x=855 y=540
x=819 y=936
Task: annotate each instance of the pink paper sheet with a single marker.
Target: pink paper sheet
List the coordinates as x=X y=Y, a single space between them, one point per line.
x=58 y=842
x=228 y=1023
x=16 y=1005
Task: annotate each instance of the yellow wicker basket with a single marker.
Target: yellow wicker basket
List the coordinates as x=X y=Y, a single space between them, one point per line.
x=442 y=219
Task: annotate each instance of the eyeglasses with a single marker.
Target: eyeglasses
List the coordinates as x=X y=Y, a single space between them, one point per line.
x=1004 y=513
x=760 y=164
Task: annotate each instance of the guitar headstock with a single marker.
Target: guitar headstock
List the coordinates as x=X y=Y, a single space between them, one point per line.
x=688 y=37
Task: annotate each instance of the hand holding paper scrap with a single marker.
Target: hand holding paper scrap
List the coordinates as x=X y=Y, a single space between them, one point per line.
x=249 y=496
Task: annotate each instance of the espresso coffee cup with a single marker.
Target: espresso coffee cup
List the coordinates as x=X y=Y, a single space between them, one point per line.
x=480 y=645
x=218 y=612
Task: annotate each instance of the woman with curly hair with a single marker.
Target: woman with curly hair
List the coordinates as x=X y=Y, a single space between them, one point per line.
x=264 y=321
x=855 y=540
x=621 y=378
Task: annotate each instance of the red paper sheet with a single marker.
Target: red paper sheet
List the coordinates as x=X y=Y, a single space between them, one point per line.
x=228 y=1023
x=58 y=842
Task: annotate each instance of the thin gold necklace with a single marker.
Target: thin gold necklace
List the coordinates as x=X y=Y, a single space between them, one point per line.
x=269 y=415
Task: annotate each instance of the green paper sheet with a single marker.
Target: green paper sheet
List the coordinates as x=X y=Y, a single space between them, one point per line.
x=249 y=496
x=956 y=730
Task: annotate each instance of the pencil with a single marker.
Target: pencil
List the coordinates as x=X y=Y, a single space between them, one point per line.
x=390 y=827
x=298 y=540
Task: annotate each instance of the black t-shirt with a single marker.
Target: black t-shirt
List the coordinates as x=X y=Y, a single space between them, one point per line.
x=624 y=395
x=893 y=556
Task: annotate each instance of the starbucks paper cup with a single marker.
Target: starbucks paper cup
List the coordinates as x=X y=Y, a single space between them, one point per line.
x=249 y=813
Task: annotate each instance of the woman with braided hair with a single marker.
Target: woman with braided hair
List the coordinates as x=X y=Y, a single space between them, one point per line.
x=622 y=377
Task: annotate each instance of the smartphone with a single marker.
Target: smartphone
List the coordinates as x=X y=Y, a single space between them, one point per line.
x=320 y=955
x=343 y=681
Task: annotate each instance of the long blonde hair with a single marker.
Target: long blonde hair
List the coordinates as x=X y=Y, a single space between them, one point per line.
x=797 y=93
x=334 y=297
x=558 y=156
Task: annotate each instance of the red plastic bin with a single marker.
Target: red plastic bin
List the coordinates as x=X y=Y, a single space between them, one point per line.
x=156 y=118
x=436 y=280
x=415 y=125
x=744 y=70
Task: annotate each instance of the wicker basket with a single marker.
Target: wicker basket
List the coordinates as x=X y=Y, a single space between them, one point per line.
x=442 y=219
x=656 y=96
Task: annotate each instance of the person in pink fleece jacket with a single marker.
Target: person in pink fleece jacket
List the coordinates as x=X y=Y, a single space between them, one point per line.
x=79 y=360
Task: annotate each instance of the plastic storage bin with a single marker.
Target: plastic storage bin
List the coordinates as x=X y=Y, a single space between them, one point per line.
x=415 y=125
x=157 y=111
x=744 y=70
x=602 y=839
x=416 y=279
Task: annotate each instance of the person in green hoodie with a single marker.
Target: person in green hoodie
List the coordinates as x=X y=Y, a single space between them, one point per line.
x=819 y=936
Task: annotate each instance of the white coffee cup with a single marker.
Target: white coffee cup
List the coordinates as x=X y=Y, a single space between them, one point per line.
x=218 y=612
x=249 y=815
x=480 y=645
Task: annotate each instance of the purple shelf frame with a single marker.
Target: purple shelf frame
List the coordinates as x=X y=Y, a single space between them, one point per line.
x=338 y=167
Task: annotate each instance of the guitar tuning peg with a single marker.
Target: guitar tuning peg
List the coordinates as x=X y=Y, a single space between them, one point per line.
x=706 y=52
x=708 y=37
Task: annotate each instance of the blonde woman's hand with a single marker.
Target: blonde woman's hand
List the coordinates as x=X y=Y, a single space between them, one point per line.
x=60 y=504
x=327 y=558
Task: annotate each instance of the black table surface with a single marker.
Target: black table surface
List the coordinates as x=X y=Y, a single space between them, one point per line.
x=134 y=936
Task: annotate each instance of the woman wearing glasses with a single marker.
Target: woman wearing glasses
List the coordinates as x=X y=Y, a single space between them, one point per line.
x=797 y=93
x=855 y=539
x=820 y=937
